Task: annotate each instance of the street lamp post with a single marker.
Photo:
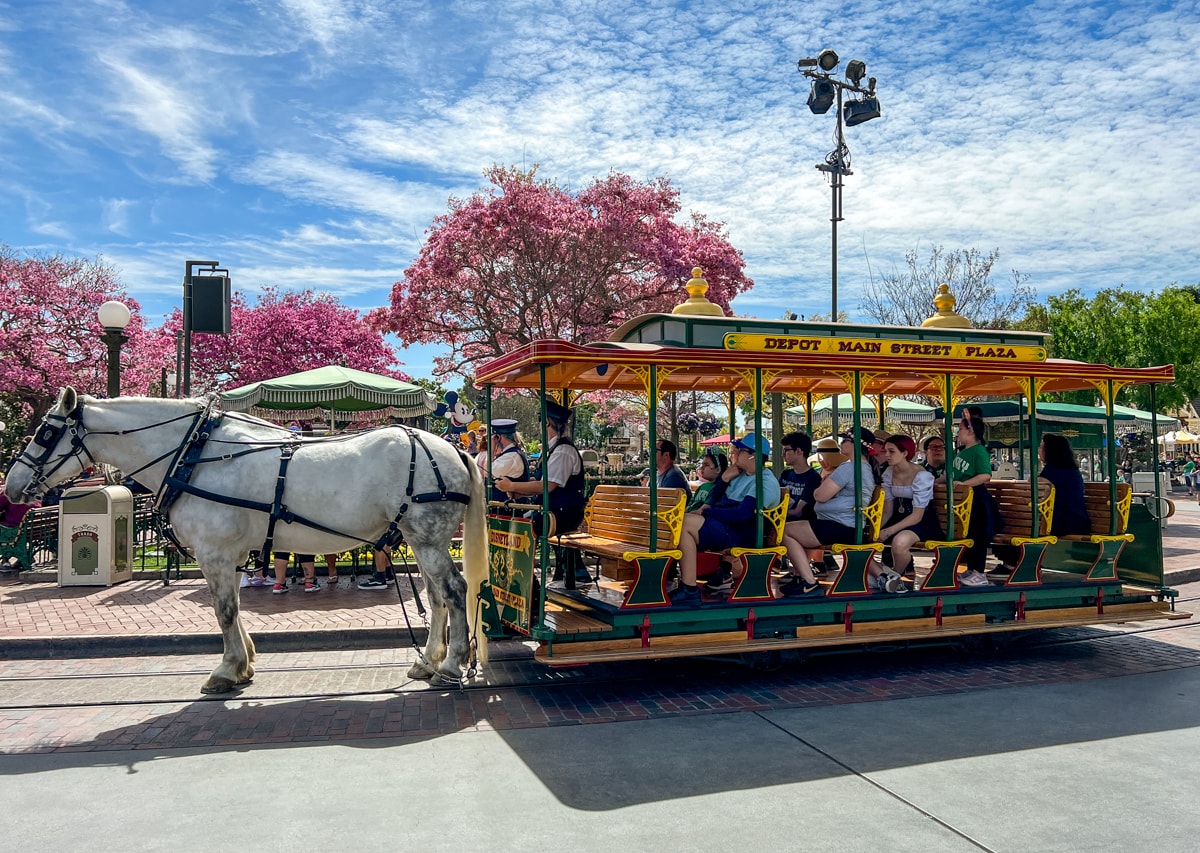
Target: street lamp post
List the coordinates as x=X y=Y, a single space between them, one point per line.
x=114 y=317
x=821 y=96
x=825 y=90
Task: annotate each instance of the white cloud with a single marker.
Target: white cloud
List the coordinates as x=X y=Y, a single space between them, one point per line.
x=316 y=140
x=115 y=214
x=169 y=114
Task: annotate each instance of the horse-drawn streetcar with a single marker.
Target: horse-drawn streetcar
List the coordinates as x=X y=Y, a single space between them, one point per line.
x=232 y=484
x=631 y=538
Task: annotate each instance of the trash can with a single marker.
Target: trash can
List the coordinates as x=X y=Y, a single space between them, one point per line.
x=1143 y=482
x=95 y=536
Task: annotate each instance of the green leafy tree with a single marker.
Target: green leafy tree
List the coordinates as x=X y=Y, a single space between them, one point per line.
x=1127 y=328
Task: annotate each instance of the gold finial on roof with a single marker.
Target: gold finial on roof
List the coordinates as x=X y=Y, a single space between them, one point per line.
x=697 y=302
x=946 y=317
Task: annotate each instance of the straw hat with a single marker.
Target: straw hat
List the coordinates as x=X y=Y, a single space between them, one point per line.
x=829 y=454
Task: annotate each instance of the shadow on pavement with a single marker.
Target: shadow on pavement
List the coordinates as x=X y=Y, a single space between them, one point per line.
x=833 y=716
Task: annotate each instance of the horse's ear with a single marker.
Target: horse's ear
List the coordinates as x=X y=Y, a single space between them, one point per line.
x=68 y=399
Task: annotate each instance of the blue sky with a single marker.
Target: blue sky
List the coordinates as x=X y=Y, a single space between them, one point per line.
x=311 y=142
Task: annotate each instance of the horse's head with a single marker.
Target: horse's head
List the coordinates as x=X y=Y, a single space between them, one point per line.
x=52 y=455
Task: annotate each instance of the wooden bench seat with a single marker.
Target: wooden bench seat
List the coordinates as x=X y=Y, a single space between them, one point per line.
x=1015 y=498
x=617 y=520
x=948 y=553
x=1099 y=509
x=963 y=500
x=616 y=529
x=1096 y=497
x=1016 y=505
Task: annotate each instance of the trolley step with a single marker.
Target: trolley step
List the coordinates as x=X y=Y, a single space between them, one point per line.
x=817 y=636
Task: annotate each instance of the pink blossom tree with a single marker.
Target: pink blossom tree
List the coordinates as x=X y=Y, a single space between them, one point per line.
x=525 y=259
x=50 y=334
x=284 y=332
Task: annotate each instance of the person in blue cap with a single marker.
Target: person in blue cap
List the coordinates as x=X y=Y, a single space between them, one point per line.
x=728 y=520
x=562 y=467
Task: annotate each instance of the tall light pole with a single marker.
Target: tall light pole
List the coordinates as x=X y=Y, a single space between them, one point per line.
x=114 y=317
x=824 y=91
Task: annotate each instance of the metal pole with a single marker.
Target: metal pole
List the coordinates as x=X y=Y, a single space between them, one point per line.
x=114 y=338
x=836 y=214
x=187 y=320
x=178 y=360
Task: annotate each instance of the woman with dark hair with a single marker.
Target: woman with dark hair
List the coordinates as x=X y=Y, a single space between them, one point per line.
x=972 y=467
x=712 y=466
x=907 y=503
x=1060 y=468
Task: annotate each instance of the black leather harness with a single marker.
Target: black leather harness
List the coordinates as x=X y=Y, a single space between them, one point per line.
x=190 y=454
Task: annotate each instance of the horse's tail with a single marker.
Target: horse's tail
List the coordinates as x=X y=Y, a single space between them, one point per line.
x=475 y=555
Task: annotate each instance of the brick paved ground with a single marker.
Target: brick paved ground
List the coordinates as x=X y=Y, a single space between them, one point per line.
x=183 y=609
x=153 y=703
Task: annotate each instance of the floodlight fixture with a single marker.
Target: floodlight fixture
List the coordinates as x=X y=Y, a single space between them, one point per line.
x=806 y=62
x=856 y=69
x=827 y=60
x=820 y=96
x=856 y=112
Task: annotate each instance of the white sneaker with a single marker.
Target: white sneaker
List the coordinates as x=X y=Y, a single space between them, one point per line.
x=893 y=583
x=245 y=582
x=973 y=578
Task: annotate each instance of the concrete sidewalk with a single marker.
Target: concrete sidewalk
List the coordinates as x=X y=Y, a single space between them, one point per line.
x=1101 y=763
x=145 y=617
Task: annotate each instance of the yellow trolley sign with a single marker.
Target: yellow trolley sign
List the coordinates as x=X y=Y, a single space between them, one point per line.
x=1005 y=353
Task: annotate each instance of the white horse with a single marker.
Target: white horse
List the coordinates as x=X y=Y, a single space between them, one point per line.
x=354 y=486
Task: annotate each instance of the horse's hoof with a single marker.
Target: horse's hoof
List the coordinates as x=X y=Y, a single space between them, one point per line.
x=421 y=672
x=218 y=685
x=446 y=679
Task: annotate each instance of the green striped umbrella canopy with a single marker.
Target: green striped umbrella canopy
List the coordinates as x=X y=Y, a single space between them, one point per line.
x=330 y=389
x=898 y=408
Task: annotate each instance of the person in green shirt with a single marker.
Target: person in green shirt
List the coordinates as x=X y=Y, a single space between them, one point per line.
x=1189 y=476
x=712 y=466
x=972 y=467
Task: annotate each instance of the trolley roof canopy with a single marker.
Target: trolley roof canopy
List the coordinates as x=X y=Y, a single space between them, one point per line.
x=714 y=353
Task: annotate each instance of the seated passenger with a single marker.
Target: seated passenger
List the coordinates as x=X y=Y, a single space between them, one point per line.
x=972 y=466
x=1059 y=467
x=712 y=466
x=669 y=475
x=935 y=457
x=729 y=520
x=907 y=504
x=801 y=480
x=835 y=519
